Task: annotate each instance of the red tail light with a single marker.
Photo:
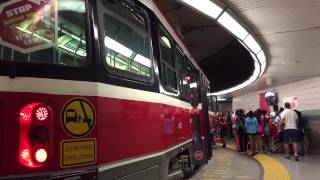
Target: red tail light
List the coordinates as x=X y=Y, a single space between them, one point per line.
x=34 y=134
x=41 y=155
x=42 y=113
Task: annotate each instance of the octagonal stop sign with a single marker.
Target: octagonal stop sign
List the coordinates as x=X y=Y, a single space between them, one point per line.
x=28 y=25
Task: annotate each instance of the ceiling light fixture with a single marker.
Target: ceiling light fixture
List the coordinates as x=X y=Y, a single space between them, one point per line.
x=232 y=25
x=262 y=57
x=221 y=99
x=241 y=33
x=205 y=6
x=263 y=67
x=252 y=44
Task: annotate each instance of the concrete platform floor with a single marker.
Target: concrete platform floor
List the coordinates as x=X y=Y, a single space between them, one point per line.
x=228 y=164
x=308 y=168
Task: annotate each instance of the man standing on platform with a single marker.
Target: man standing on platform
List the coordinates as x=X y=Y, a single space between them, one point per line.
x=290 y=120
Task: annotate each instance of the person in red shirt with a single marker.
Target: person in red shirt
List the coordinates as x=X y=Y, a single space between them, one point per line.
x=223 y=125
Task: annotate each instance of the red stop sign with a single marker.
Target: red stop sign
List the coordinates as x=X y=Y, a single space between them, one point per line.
x=28 y=25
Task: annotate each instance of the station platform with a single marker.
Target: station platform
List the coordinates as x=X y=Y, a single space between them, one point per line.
x=229 y=164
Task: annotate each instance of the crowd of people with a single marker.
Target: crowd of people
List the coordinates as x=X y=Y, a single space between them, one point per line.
x=282 y=131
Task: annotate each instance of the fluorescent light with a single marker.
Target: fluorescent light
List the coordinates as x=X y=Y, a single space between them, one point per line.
x=114 y=45
x=256 y=66
x=193 y=85
x=72 y=5
x=221 y=99
x=263 y=61
x=262 y=57
x=263 y=67
x=142 y=60
x=184 y=82
x=252 y=44
x=232 y=25
x=166 y=41
x=256 y=71
x=243 y=45
x=205 y=6
x=254 y=57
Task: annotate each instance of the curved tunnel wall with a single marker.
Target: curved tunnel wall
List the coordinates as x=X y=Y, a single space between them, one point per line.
x=308 y=93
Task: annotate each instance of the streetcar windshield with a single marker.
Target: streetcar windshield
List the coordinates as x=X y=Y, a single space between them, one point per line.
x=37 y=31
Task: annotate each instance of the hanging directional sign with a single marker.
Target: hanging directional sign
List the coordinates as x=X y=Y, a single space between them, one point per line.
x=28 y=25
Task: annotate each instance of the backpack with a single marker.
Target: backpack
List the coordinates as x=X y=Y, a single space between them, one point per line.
x=241 y=125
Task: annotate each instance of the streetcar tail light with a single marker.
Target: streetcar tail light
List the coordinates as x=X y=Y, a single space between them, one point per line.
x=34 y=136
x=41 y=155
x=42 y=113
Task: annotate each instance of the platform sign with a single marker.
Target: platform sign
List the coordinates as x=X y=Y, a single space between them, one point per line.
x=28 y=25
x=78 y=117
x=78 y=152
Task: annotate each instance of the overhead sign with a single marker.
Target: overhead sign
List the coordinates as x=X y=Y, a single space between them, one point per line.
x=78 y=152
x=78 y=117
x=28 y=25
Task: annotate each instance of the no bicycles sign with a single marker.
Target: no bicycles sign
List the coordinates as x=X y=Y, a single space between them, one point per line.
x=78 y=117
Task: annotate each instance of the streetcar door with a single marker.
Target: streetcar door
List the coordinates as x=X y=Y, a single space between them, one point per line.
x=205 y=110
x=198 y=154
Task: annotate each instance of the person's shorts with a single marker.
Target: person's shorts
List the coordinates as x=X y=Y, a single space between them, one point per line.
x=290 y=134
x=251 y=134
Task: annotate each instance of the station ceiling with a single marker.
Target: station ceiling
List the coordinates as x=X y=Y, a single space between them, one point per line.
x=224 y=61
x=289 y=30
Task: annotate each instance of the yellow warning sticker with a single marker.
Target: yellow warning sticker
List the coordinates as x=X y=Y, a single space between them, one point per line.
x=78 y=152
x=78 y=117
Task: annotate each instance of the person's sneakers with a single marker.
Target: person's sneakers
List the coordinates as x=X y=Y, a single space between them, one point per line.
x=287 y=156
x=296 y=157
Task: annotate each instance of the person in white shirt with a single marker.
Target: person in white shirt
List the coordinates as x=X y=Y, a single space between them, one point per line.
x=290 y=120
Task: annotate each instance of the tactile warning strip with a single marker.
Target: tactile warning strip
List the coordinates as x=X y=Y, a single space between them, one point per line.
x=273 y=169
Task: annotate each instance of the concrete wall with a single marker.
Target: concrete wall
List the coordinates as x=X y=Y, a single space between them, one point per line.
x=308 y=93
x=225 y=106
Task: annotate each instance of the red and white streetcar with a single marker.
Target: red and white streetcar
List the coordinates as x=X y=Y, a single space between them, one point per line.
x=98 y=89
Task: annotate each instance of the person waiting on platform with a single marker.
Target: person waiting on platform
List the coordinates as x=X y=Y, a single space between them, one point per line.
x=251 y=124
x=241 y=131
x=223 y=124
x=289 y=119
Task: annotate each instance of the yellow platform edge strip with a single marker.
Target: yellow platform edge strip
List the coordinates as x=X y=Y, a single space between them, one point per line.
x=273 y=169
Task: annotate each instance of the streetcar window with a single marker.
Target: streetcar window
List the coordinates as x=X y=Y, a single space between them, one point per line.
x=182 y=73
x=210 y=108
x=181 y=62
x=127 y=41
x=167 y=60
x=51 y=32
